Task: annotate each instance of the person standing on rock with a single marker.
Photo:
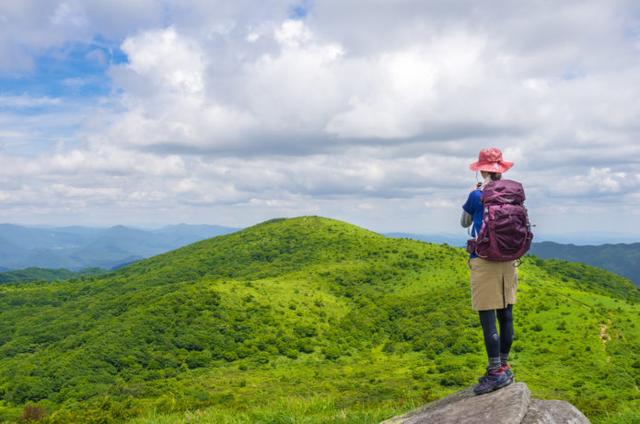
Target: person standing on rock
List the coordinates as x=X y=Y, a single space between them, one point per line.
x=493 y=271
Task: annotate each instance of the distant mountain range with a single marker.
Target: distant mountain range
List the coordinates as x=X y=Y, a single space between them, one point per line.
x=623 y=259
x=76 y=248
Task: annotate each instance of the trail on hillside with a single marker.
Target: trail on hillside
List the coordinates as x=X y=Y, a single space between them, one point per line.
x=604 y=338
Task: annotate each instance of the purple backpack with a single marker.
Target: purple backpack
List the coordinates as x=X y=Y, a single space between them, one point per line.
x=505 y=233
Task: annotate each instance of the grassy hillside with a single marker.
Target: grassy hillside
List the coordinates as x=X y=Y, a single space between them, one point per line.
x=305 y=320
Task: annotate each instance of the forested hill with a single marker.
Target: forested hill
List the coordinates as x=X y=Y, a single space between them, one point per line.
x=623 y=259
x=306 y=318
x=45 y=274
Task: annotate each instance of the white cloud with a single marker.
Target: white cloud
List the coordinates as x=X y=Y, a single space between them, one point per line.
x=292 y=34
x=395 y=100
x=69 y=14
x=598 y=181
x=25 y=101
x=440 y=203
x=168 y=61
x=233 y=105
x=95 y=194
x=90 y=162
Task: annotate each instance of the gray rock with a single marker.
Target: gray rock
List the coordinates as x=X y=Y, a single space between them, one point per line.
x=553 y=412
x=505 y=406
x=509 y=405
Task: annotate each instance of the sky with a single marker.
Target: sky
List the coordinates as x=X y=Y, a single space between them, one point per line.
x=154 y=112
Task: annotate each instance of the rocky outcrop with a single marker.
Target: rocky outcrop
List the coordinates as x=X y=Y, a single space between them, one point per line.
x=510 y=405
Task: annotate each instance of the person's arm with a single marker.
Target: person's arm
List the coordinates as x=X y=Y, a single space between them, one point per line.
x=465 y=219
x=468 y=209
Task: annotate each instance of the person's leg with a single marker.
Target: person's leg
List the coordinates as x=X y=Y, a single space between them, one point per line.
x=491 y=338
x=495 y=377
x=505 y=318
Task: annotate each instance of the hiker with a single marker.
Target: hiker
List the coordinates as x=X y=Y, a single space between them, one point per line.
x=493 y=282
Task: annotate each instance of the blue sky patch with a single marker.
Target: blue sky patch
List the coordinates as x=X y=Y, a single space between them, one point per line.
x=301 y=9
x=75 y=70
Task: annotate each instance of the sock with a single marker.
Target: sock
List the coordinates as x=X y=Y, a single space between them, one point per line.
x=504 y=358
x=494 y=362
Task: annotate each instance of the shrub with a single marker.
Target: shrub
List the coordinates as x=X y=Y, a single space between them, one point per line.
x=290 y=353
x=197 y=359
x=230 y=355
x=33 y=413
x=331 y=353
x=305 y=346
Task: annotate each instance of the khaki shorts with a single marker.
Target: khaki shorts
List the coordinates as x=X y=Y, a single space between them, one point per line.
x=493 y=284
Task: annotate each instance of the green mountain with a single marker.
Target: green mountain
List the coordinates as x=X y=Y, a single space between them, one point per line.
x=306 y=319
x=621 y=258
x=45 y=274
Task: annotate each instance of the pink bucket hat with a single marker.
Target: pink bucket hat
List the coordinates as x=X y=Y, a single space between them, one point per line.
x=491 y=160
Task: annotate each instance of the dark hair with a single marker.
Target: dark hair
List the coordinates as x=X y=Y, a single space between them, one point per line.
x=495 y=176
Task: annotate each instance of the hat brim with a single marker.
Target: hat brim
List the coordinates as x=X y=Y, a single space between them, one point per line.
x=499 y=167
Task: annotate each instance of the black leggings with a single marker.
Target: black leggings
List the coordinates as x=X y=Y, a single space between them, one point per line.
x=497 y=344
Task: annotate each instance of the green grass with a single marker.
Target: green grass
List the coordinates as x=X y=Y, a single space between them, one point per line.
x=305 y=320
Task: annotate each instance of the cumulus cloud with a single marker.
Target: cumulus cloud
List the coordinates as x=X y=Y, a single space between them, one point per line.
x=240 y=105
x=323 y=94
x=599 y=181
x=166 y=61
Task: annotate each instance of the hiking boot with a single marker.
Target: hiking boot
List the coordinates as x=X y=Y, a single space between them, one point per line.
x=506 y=368
x=492 y=380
